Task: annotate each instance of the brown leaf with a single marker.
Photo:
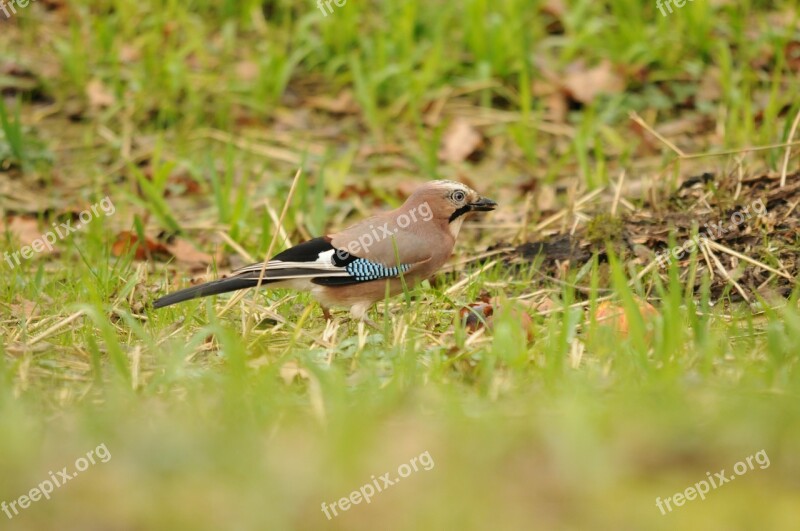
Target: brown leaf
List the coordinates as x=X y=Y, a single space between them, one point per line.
x=182 y=185
x=584 y=85
x=24 y=229
x=460 y=141
x=144 y=250
x=99 y=95
x=185 y=253
x=474 y=316
x=612 y=314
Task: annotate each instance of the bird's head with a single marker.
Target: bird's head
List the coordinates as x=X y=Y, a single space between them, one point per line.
x=450 y=201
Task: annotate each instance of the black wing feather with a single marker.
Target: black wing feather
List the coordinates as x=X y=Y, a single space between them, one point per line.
x=215 y=287
x=309 y=251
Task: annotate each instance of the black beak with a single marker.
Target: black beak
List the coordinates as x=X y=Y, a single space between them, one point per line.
x=483 y=204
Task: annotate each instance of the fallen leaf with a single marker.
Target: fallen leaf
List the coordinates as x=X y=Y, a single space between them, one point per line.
x=474 y=316
x=182 y=251
x=24 y=229
x=144 y=250
x=185 y=253
x=612 y=314
x=182 y=185
x=584 y=85
x=460 y=141
x=99 y=95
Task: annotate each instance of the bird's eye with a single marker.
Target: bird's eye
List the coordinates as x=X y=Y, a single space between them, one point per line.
x=459 y=196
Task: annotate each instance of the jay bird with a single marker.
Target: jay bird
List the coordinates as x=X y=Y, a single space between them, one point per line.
x=353 y=267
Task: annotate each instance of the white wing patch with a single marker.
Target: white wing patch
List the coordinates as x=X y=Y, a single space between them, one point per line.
x=323 y=266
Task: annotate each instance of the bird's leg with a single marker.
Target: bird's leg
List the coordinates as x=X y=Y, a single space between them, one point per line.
x=359 y=311
x=326 y=312
x=371 y=323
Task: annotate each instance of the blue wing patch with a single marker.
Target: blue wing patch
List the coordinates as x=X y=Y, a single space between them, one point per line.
x=363 y=270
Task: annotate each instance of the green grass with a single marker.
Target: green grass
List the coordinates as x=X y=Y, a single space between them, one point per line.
x=250 y=419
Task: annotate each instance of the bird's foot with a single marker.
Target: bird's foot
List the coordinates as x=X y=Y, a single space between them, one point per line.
x=366 y=320
x=359 y=311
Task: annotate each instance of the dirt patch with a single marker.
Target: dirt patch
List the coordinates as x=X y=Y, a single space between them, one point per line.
x=745 y=232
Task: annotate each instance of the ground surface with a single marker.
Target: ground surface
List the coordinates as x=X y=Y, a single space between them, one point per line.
x=154 y=144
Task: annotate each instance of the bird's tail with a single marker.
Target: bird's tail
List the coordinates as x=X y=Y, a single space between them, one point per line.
x=215 y=287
